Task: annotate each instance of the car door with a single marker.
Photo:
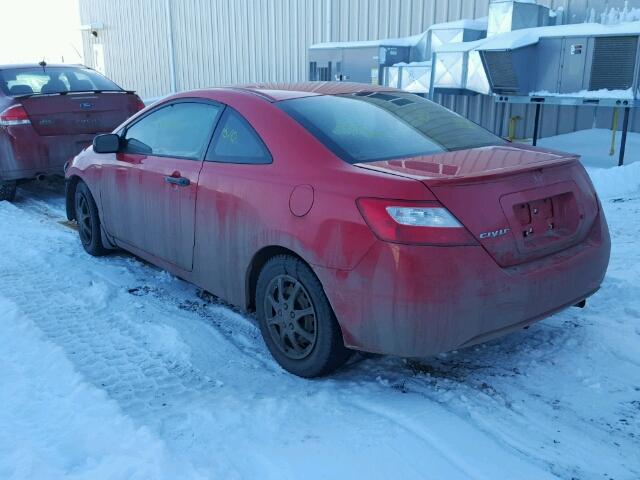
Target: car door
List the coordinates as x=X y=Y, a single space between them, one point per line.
x=233 y=183
x=149 y=193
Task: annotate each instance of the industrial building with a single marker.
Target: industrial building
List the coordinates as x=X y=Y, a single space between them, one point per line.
x=160 y=46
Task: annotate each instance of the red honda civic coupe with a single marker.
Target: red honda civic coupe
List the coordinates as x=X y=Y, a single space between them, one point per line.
x=347 y=216
x=49 y=113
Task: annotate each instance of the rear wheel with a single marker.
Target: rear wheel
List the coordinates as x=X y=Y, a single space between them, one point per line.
x=86 y=213
x=296 y=319
x=7 y=191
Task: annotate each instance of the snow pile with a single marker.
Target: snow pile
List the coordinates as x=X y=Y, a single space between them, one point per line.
x=617 y=182
x=613 y=15
x=593 y=147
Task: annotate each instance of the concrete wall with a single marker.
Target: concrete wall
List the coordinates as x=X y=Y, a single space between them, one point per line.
x=234 y=41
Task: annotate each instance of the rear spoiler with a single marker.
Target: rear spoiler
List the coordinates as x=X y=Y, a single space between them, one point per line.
x=31 y=95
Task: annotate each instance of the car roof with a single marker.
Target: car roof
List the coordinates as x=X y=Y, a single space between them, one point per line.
x=37 y=65
x=274 y=92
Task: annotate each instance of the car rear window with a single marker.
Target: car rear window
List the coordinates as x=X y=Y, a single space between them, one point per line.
x=372 y=126
x=47 y=80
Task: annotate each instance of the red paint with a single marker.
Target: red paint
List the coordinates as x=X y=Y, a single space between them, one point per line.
x=407 y=298
x=55 y=127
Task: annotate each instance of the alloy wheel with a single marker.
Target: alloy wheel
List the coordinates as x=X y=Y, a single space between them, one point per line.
x=291 y=317
x=83 y=217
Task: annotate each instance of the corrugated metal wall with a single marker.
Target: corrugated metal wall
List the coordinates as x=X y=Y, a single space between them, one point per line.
x=233 y=41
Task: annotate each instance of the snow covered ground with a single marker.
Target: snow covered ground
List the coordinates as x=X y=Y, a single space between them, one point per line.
x=114 y=369
x=593 y=146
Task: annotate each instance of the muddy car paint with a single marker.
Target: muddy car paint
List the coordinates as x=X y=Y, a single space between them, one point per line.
x=388 y=297
x=58 y=127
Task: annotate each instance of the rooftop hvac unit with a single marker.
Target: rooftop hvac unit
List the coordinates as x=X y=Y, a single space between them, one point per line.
x=357 y=61
x=582 y=67
x=508 y=15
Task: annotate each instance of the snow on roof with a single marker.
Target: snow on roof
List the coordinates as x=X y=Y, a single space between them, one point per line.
x=413 y=64
x=602 y=93
x=385 y=42
x=530 y=36
x=470 y=24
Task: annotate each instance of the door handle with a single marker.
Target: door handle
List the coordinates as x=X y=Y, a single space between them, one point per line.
x=180 y=181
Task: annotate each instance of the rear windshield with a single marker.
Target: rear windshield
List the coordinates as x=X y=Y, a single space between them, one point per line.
x=38 y=80
x=367 y=127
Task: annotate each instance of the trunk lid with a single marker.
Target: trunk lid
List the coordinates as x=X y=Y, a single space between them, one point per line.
x=79 y=113
x=520 y=203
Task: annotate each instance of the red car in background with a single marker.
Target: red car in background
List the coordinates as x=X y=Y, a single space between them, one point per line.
x=48 y=113
x=347 y=216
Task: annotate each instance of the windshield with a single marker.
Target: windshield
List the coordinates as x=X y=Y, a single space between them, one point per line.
x=367 y=127
x=38 y=80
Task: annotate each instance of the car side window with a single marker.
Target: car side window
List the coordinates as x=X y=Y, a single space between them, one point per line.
x=235 y=141
x=178 y=130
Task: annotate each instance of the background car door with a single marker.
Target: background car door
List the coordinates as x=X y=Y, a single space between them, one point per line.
x=149 y=193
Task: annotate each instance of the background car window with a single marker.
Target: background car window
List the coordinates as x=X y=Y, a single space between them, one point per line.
x=28 y=81
x=178 y=130
x=235 y=141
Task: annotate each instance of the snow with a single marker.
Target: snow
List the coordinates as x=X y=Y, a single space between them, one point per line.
x=413 y=64
x=465 y=23
x=386 y=42
x=593 y=145
x=115 y=369
x=55 y=423
x=601 y=93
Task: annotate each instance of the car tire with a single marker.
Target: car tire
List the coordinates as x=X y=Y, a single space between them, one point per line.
x=86 y=213
x=296 y=320
x=7 y=191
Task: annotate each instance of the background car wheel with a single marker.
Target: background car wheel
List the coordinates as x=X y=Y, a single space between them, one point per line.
x=88 y=221
x=296 y=319
x=7 y=191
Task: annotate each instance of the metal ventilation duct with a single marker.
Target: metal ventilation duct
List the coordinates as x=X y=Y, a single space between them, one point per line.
x=509 y=15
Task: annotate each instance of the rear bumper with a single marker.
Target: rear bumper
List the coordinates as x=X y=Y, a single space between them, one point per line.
x=415 y=301
x=25 y=154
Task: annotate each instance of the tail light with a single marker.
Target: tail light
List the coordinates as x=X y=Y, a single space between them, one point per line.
x=14 y=115
x=139 y=104
x=414 y=223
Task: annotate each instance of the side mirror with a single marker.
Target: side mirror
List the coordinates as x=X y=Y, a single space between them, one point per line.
x=107 y=143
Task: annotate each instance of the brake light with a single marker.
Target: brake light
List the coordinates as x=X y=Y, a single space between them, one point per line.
x=139 y=104
x=14 y=115
x=411 y=222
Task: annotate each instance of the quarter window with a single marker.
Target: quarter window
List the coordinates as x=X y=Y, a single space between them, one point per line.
x=178 y=130
x=235 y=141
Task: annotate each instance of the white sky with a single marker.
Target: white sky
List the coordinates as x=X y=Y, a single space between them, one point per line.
x=31 y=30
